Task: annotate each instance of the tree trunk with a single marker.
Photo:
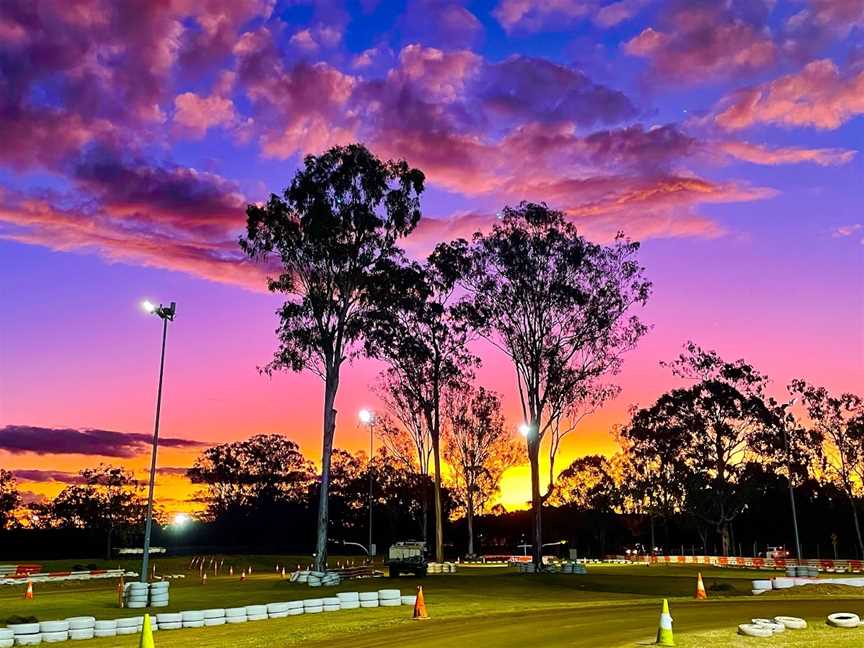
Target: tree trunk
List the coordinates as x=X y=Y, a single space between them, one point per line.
x=470 y=514
x=653 y=543
x=108 y=543
x=331 y=384
x=857 y=526
x=724 y=539
x=439 y=522
x=425 y=511
x=536 y=504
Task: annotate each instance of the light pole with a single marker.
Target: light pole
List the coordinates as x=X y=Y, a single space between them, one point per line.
x=166 y=314
x=367 y=417
x=783 y=422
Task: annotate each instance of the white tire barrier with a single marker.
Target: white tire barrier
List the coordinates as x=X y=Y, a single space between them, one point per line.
x=791 y=623
x=409 y=600
x=28 y=639
x=235 y=615
x=388 y=594
x=349 y=605
x=390 y=602
x=348 y=596
x=757 y=592
x=313 y=610
x=130 y=622
x=754 y=630
x=783 y=582
x=209 y=623
x=7 y=643
x=295 y=611
x=55 y=637
x=81 y=623
x=775 y=627
x=214 y=613
x=20 y=629
x=367 y=596
x=256 y=610
x=368 y=604
x=276 y=608
x=54 y=626
x=127 y=631
x=6 y=633
x=761 y=584
x=174 y=625
x=844 y=620
x=80 y=634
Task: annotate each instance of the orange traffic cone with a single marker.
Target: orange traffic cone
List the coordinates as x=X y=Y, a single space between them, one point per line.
x=29 y=593
x=701 y=594
x=420 y=612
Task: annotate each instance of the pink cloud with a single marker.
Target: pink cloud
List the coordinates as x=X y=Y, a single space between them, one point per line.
x=297 y=109
x=537 y=15
x=196 y=114
x=818 y=95
x=759 y=154
x=701 y=41
x=618 y=12
x=130 y=239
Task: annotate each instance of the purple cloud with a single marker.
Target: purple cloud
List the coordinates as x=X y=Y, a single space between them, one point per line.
x=17 y=439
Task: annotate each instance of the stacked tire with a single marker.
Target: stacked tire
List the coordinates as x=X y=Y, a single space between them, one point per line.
x=313 y=606
x=213 y=617
x=192 y=619
x=348 y=600
x=760 y=586
x=235 y=615
x=159 y=594
x=330 y=579
x=54 y=631
x=81 y=627
x=302 y=576
x=7 y=638
x=105 y=628
x=314 y=579
x=332 y=604
x=368 y=599
x=134 y=625
x=136 y=595
x=389 y=597
x=256 y=612
x=409 y=600
x=434 y=568
x=277 y=610
x=169 y=620
x=26 y=634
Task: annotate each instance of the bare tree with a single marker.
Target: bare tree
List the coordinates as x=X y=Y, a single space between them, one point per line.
x=478 y=447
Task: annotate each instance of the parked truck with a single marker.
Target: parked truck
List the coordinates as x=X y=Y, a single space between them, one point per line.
x=407 y=558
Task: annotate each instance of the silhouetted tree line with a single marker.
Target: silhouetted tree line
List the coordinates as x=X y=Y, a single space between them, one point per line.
x=697 y=467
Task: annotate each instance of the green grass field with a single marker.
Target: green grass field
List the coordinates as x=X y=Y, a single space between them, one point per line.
x=611 y=606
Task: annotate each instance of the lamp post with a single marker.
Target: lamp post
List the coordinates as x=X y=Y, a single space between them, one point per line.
x=166 y=314
x=367 y=417
x=783 y=422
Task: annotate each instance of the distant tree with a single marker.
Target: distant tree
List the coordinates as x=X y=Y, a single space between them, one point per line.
x=838 y=420
x=257 y=472
x=654 y=473
x=333 y=234
x=403 y=430
x=10 y=498
x=478 y=448
x=721 y=416
x=414 y=331
x=557 y=305
x=588 y=485
x=107 y=499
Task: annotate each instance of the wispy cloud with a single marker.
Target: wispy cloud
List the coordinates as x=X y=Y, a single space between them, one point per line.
x=18 y=439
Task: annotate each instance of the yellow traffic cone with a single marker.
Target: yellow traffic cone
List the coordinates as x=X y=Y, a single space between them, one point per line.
x=664 y=631
x=146 y=634
x=701 y=594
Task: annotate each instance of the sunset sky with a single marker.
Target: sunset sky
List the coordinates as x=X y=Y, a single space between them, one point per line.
x=724 y=136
